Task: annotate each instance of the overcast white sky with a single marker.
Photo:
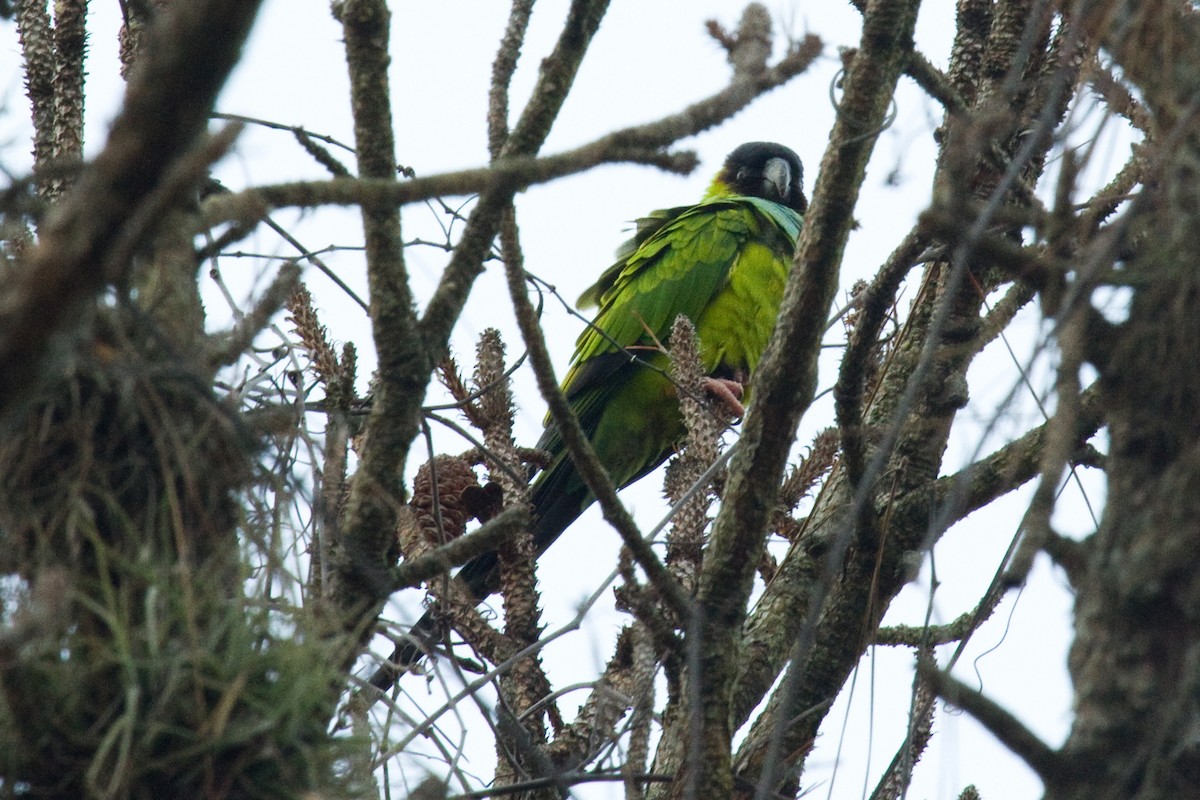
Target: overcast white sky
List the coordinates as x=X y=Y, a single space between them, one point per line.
x=651 y=58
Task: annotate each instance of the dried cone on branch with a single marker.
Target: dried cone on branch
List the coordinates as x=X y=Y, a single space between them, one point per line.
x=442 y=515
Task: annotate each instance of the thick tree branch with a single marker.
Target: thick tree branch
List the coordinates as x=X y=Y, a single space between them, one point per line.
x=784 y=387
x=874 y=305
x=37 y=45
x=935 y=83
x=70 y=40
x=377 y=489
x=997 y=474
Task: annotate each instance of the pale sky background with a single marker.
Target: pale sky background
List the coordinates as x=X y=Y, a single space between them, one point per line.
x=650 y=59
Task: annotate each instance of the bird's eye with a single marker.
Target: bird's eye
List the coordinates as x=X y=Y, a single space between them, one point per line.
x=742 y=174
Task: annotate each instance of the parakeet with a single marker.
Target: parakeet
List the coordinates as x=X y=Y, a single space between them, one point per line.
x=723 y=263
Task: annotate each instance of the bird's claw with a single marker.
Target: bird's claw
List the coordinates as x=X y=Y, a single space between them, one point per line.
x=728 y=393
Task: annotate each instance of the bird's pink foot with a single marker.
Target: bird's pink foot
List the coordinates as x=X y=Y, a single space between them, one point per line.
x=728 y=393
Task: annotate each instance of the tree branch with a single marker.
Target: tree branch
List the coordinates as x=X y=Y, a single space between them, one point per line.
x=999 y=473
x=377 y=489
x=1024 y=743
x=456 y=552
x=190 y=53
x=508 y=175
x=785 y=384
x=580 y=450
x=874 y=306
x=459 y=276
x=503 y=67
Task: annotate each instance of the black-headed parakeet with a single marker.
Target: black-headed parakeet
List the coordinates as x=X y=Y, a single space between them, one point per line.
x=723 y=263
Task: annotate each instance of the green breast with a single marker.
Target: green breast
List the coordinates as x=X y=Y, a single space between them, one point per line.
x=735 y=327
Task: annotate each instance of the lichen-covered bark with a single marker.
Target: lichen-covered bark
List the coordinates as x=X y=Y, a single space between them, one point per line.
x=870 y=524
x=1135 y=661
x=784 y=387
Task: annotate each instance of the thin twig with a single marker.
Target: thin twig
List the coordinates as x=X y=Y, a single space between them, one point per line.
x=580 y=450
x=459 y=551
x=1024 y=743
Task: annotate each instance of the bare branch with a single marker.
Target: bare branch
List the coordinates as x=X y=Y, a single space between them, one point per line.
x=460 y=274
x=37 y=45
x=459 y=551
x=226 y=347
x=784 y=386
x=580 y=450
x=503 y=67
x=874 y=306
x=70 y=41
x=1049 y=766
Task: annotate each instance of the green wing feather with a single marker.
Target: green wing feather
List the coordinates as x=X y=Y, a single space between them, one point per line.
x=679 y=268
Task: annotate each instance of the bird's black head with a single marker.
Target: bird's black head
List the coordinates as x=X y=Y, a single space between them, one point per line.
x=767 y=170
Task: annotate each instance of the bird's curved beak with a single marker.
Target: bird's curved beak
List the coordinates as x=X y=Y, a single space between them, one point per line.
x=777 y=177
